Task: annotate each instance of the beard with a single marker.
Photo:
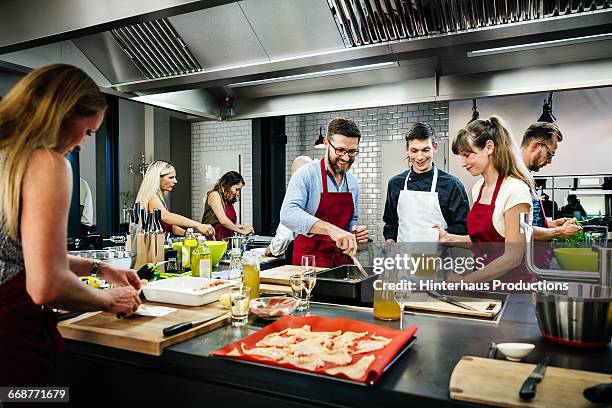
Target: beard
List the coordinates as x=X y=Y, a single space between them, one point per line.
x=534 y=167
x=334 y=164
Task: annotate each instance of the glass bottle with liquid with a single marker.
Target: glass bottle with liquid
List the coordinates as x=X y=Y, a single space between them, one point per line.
x=201 y=260
x=251 y=270
x=385 y=306
x=189 y=244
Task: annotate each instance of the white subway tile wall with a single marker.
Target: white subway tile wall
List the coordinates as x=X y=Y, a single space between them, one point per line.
x=209 y=136
x=377 y=125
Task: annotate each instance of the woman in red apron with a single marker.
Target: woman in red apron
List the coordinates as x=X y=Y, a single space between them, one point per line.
x=158 y=181
x=47 y=115
x=337 y=209
x=219 y=207
x=487 y=149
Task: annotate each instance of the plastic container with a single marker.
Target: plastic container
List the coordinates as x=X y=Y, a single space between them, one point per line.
x=186 y=290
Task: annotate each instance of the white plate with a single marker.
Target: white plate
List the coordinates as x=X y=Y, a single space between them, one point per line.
x=180 y=291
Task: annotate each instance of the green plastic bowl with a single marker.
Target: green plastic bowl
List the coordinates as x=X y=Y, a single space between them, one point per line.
x=217 y=249
x=576 y=259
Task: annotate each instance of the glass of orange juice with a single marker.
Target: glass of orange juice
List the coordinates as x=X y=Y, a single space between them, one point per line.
x=251 y=270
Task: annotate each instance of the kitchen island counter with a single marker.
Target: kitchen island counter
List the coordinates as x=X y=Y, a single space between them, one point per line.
x=186 y=375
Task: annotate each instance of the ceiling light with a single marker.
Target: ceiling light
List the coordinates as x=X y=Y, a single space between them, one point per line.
x=313 y=74
x=537 y=45
x=320 y=142
x=547 y=114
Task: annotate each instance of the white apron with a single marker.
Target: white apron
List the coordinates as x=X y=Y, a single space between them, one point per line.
x=417 y=212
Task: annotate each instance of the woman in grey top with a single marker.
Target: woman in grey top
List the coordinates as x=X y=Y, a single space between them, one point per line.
x=44 y=117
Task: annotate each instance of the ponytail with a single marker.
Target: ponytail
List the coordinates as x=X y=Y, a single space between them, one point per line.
x=506 y=156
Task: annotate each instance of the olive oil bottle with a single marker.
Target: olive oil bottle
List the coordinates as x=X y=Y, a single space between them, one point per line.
x=189 y=244
x=201 y=260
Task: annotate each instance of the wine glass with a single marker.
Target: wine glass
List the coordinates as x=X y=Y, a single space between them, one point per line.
x=401 y=295
x=309 y=277
x=309 y=280
x=308 y=262
x=298 y=291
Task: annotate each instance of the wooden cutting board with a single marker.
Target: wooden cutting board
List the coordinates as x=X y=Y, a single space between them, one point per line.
x=486 y=307
x=281 y=274
x=142 y=334
x=497 y=382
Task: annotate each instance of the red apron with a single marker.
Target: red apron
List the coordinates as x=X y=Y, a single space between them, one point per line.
x=333 y=208
x=488 y=243
x=29 y=339
x=220 y=231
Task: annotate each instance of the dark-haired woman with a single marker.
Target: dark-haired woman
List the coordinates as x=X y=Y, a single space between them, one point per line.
x=219 y=206
x=504 y=191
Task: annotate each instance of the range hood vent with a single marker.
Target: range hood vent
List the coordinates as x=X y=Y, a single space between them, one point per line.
x=363 y=22
x=156 y=49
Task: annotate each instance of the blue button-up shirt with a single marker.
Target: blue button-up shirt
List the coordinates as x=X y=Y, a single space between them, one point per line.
x=304 y=193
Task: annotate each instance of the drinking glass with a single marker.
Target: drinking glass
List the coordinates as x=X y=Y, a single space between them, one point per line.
x=309 y=280
x=308 y=262
x=298 y=291
x=239 y=298
x=401 y=295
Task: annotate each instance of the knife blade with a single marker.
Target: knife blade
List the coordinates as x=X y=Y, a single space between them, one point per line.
x=528 y=389
x=181 y=327
x=445 y=298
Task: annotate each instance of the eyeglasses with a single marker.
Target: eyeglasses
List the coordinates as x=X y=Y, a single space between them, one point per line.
x=550 y=154
x=342 y=152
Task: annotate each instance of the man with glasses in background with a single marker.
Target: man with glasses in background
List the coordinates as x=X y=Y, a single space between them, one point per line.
x=321 y=203
x=538 y=148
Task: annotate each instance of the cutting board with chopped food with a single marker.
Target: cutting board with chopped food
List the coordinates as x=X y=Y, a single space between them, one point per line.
x=498 y=382
x=281 y=274
x=142 y=333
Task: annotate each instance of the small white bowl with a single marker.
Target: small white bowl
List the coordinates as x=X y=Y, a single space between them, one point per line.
x=515 y=351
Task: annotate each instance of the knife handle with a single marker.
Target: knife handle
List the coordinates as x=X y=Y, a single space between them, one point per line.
x=528 y=390
x=177 y=328
x=599 y=393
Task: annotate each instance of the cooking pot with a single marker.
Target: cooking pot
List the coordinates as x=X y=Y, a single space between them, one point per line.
x=118 y=258
x=580 y=316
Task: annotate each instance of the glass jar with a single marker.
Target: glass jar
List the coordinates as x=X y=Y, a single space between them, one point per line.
x=385 y=306
x=251 y=270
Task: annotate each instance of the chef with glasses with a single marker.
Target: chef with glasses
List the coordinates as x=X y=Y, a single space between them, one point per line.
x=321 y=203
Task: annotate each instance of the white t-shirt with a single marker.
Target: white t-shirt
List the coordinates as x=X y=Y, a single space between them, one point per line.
x=87 y=204
x=512 y=192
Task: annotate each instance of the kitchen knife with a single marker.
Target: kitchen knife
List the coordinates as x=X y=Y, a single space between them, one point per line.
x=528 y=389
x=446 y=299
x=599 y=394
x=181 y=327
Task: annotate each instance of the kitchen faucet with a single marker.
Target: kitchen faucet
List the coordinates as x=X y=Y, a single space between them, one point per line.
x=603 y=276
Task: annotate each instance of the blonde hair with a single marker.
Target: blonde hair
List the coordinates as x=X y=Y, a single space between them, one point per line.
x=31 y=116
x=506 y=155
x=149 y=187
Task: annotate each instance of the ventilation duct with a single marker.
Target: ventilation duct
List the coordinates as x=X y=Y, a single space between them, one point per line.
x=363 y=22
x=156 y=49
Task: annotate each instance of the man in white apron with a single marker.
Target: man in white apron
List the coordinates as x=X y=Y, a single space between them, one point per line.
x=423 y=195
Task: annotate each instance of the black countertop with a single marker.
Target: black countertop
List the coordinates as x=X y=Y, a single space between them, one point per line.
x=420 y=376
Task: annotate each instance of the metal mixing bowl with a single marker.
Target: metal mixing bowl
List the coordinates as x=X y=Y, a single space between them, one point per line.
x=580 y=316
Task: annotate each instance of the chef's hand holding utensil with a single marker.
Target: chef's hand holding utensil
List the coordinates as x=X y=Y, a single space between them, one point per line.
x=344 y=240
x=361 y=233
x=122 y=301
